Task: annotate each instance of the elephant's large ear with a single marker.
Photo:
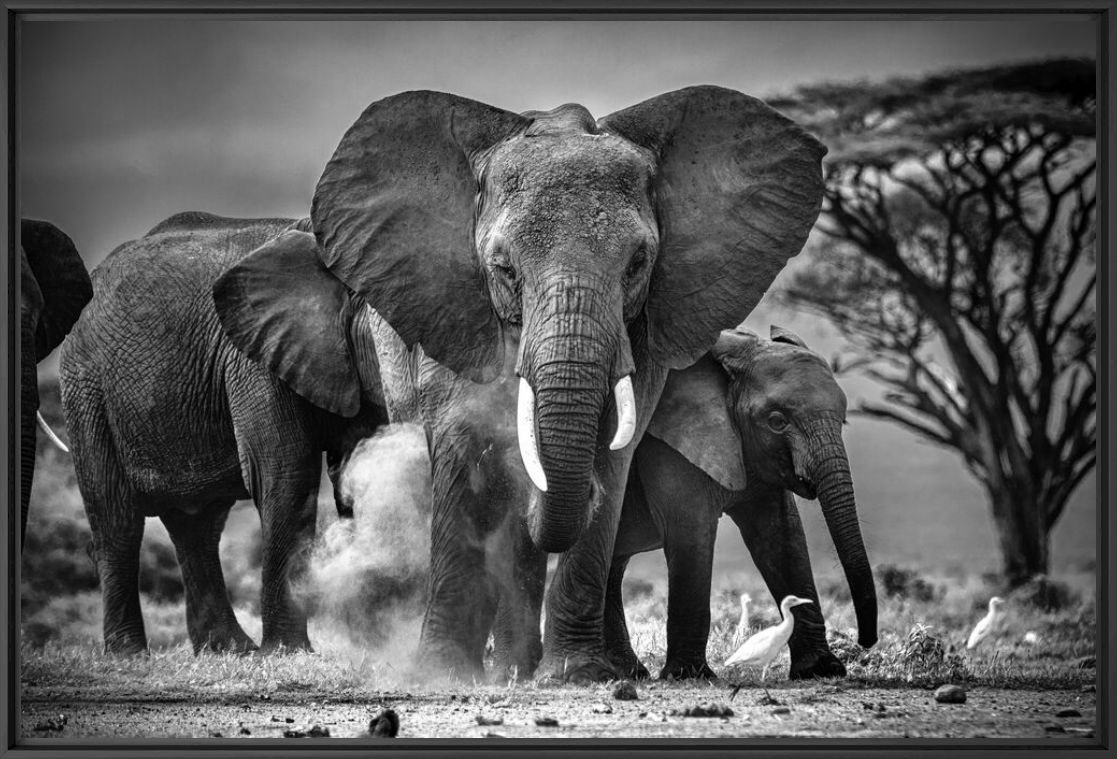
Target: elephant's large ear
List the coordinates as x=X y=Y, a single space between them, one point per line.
x=280 y=306
x=692 y=417
x=738 y=188
x=62 y=278
x=394 y=214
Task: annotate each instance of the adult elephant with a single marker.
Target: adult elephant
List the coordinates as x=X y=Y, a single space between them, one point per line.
x=169 y=419
x=558 y=265
x=738 y=433
x=54 y=288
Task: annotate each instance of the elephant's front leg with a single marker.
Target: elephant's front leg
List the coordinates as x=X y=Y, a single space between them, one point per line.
x=769 y=523
x=462 y=594
x=686 y=505
x=516 y=635
x=573 y=635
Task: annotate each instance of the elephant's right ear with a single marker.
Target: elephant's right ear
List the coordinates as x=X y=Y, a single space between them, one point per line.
x=62 y=279
x=394 y=215
x=281 y=307
x=692 y=417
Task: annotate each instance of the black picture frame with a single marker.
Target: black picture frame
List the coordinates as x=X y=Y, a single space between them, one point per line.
x=16 y=11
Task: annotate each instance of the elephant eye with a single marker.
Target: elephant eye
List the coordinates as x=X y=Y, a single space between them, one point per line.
x=505 y=271
x=637 y=262
x=777 y=421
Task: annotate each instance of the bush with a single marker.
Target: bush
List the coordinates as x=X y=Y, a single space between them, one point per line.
x=1045 y=594
x=898 y=582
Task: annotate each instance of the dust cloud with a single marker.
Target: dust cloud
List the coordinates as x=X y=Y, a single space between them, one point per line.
x=366 y=578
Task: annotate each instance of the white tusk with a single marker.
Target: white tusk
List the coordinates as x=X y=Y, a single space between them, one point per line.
x=50 y=433
x=529 y=449
x=626 y=413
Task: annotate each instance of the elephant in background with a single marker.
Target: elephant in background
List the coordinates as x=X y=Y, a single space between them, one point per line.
x=738 y=433
x=54 y=288
x=169 y=419
x=558 y=265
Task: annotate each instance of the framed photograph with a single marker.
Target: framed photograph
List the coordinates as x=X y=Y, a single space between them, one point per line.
x=663 y=378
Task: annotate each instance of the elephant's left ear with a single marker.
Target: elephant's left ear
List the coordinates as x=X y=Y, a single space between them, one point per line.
x=692 y=417
x=62 y=279
x=737 y=190
x=280 y=306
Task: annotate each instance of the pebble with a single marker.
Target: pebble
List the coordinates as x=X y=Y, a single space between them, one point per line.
x=1068 y=713
x=384 y=725
x=950 y=694
x=1053 y=728
x=546 y=722
x=602 y=709
x=244 y=731
x=781 y=710
x=704 y=710
x=53 y=724
x=483 y=720
x=625 y=691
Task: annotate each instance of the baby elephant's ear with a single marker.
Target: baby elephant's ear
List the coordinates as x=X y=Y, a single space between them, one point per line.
x=280 y=306
x=781 y=335
x=692 y=417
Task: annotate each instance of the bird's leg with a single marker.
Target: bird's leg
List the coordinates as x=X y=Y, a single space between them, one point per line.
x=767 y=696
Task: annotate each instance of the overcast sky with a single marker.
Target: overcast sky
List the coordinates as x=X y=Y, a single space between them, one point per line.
x=125 y=122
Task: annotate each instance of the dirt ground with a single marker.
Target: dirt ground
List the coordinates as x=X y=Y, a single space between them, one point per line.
x=822 y=710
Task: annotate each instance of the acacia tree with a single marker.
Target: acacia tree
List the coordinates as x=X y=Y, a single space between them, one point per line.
x=957 y=258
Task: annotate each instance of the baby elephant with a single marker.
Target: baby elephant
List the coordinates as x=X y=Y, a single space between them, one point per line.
x=763 y=412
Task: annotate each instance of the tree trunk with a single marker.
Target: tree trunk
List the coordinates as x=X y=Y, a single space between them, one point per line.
x=1023 y=537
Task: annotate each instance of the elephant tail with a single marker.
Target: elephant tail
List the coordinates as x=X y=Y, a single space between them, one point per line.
x=50 y=433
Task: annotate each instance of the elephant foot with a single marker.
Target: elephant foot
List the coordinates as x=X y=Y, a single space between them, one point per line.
x=577 y=669
x=232 y=642
x=125 y=644
x=289 y=645
x=449 y=660
x=514 y=668
x=629 y=666
x=816 y=664
x=687 y=670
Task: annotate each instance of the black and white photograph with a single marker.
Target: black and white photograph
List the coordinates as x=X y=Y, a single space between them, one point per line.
x=388 y=378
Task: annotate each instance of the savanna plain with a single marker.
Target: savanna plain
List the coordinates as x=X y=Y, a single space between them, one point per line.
x=1035 y=678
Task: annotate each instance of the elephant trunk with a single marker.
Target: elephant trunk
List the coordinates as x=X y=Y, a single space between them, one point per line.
x=568 y=361
x=828 y=468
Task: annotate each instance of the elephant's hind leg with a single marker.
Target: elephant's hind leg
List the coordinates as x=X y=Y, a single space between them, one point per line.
x=115 y=520
x=618 y=645
x=209 y=615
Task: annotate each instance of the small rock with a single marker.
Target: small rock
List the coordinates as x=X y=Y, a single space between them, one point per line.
x=951 y=694
x=546 y=722
x=293 y=733
x=483 y=720
x=704 y=710
x=289 y=720
x=244 y=731
x=781 y=710
x=602 y=709
x=317 y=731
x=54 y=724
x=491 y=734
x=216 y=734
x=1087 y=662
x=1068 y=713
x=1090 y=688
x=384 y=725
x=625 y=691
x=1053 y=728
x=641 y=715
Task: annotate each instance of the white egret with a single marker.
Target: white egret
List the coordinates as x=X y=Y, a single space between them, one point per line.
x=987 y=624
x=743 y=622
x=763 y=647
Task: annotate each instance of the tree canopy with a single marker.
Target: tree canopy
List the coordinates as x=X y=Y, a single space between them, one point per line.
x=959 y=223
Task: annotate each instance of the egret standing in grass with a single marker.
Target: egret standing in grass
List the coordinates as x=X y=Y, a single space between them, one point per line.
x=743 y=622
x=987 y=624
x=763 y=647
